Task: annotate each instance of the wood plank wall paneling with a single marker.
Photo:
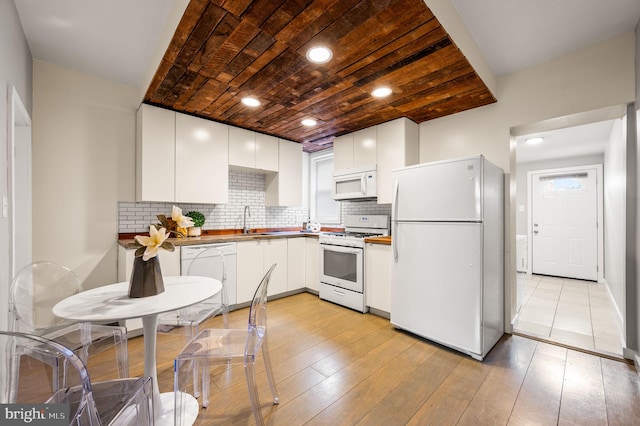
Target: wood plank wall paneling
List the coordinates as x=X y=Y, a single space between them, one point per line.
x=337 y=366
x=224 y=50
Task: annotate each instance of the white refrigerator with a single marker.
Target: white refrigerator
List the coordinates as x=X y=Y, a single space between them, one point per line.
x=447 y=243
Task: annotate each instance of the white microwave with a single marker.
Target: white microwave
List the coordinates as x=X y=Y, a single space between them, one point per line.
x=355 y=184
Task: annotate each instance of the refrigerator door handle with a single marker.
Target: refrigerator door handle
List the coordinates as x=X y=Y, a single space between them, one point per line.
x=394 y=231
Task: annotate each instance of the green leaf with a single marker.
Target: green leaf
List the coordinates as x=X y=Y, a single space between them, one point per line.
x=167 y=246
x=198 y=218
x=139 y=252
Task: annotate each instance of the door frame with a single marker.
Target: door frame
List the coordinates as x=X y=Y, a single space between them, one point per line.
x=600 y=212
x=18 y=117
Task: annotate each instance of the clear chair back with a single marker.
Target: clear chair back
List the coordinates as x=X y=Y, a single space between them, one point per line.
x=26 y=380
x=225 y=346
x=35 y=289
x=257 y=325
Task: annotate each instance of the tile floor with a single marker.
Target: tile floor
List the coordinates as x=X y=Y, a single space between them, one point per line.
x=573 y=312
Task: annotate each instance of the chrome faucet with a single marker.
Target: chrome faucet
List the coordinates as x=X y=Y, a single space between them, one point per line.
x=245 y=228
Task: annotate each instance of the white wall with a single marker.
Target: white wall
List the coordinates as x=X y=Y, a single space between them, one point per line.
x=15 y=71
x=614 y=218
x=84 y=163
x=592 y=78
x=596 y=77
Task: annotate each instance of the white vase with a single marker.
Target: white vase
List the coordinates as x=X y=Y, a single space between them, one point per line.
x=194 y=231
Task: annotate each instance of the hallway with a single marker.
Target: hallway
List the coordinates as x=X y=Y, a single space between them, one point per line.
x=572 y=312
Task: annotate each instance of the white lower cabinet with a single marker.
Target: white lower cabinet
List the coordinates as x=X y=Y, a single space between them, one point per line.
x=275 y=251
x=169 y=265
x=254 y=258
x=296 y=262
x=250 y=265
x=312 y=264
x=377 y=276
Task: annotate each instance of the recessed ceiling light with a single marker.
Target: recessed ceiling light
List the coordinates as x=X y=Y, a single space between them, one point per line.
x=309 y=122
x=534 y=141
x=251 y=102
x=319 y=54
x=381 y=92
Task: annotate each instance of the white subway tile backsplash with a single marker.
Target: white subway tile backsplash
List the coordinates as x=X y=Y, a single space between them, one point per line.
x=245 y=188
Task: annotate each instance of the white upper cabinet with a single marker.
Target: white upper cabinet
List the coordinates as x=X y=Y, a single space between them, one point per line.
x=355 y=150
x=242 y=147
x=343 y=152
x=155 y=154
x=285 y=187
x=397 y=146
x=202 y=169
x=252 y=150
x=364 y=147
x=180 y=158
x=266 y=152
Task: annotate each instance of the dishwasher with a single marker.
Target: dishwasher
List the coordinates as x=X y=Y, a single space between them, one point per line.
x=210 y=264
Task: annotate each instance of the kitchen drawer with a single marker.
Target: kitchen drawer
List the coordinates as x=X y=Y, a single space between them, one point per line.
x=341 y=296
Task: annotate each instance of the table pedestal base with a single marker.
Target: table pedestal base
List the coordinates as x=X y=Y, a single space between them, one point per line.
x=189 y=414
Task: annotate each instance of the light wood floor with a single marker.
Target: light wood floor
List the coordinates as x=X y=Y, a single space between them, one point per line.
x=334 y=366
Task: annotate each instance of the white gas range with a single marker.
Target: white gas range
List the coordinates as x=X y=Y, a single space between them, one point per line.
x=342 y=259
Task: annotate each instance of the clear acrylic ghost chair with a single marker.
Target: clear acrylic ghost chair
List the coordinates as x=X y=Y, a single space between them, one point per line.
x=26 y=380
x=35 y=289
x=223 y=346
x=192 y=316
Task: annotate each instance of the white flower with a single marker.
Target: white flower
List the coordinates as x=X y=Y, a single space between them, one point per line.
x=180 y=219
x=153 y=242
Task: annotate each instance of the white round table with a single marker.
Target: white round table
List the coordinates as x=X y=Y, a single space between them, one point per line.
x=112 y=303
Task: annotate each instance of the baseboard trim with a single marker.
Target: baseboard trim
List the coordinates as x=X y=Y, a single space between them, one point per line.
x=633 y=356
x=615 y=304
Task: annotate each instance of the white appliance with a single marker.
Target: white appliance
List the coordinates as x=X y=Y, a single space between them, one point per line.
x=355 y=184
x=342 y=260
x=212 y=266
x=447 y=272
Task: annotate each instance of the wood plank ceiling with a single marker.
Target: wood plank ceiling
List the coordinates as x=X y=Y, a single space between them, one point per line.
x=224 y=50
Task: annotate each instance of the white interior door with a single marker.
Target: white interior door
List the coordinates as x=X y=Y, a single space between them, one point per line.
x=565 y=224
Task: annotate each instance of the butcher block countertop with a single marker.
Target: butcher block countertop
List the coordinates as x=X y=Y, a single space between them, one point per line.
x=379 y=240
x=225 y=238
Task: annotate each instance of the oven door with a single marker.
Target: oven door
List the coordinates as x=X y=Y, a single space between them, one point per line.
x=342 y=267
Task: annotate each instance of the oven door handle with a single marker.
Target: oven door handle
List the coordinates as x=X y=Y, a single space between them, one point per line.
x=394 y=222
